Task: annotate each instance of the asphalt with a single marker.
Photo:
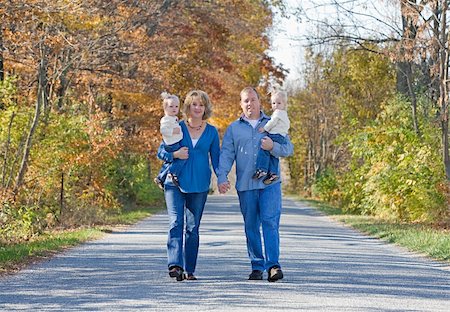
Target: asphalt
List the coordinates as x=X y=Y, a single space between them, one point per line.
x=327 y=267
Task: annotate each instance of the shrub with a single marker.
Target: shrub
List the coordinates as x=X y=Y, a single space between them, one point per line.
x=400 y=172
x=326 y=186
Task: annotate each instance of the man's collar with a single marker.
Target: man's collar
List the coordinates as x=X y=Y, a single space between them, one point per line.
x=261 y=116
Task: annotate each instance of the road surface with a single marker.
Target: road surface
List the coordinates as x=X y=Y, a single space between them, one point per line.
x=327 y=267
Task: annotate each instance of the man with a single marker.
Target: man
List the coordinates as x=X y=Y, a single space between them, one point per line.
x=260 y=204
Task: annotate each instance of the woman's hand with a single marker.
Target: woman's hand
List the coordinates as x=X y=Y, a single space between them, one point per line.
x=224 y=187
x=182 y=153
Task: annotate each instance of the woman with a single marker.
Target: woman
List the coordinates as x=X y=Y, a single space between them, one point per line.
x=186 y=199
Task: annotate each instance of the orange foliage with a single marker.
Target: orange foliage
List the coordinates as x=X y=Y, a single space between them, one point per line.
x=109 y=60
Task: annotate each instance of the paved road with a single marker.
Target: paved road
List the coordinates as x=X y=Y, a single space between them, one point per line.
x=328 y=267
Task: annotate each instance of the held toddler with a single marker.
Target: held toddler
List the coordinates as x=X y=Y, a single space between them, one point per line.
x=172 y=136
x=277 y=128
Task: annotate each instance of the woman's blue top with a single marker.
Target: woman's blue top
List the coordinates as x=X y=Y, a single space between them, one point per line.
x=196 y=174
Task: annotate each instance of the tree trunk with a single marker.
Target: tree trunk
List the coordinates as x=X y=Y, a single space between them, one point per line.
x=402 y=81
x=40 y=102
x=65 y=58
x=5 y=155
x=443 y=87
x=61 y=92
x=413 y=99
x=61 y=198
x=2 y=69
x=15 y=161
x=404 y=68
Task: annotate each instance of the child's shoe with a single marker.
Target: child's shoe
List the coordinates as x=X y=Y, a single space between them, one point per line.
x=270 y=178
x=159 y=183
x=259 y=174
x=175 y=180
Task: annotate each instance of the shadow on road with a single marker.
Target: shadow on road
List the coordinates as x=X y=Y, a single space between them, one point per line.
x=328 y=267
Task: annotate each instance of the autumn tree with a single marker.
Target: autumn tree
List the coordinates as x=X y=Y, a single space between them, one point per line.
x=80 y=105
x=390 y=88
x=343 y=93
x=412 y=33
x=315 y=122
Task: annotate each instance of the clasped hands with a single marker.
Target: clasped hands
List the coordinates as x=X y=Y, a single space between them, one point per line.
x=224 y=187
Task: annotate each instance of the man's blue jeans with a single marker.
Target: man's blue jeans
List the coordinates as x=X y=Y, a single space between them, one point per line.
x=181 y=207
x=262 y=207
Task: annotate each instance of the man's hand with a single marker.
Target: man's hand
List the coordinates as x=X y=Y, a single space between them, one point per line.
x=224 y=187
x=182 y=153
x=266 y=143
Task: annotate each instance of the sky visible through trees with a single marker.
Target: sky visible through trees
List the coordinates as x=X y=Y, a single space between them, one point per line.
x=292 y=32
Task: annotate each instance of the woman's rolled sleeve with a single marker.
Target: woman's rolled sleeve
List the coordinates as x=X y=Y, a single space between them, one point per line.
x=163 y=154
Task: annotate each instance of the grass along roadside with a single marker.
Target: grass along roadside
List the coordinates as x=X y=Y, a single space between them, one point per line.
x=16 y=256
x=421 y=238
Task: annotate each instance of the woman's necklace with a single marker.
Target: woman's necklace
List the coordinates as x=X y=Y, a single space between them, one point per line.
x=196 y=128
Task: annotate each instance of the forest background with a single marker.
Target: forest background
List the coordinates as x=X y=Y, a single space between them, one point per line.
x=80 y=85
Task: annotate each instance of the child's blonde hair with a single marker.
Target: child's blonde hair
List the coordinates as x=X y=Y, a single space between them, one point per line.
x=280 y=93
x=166 y=96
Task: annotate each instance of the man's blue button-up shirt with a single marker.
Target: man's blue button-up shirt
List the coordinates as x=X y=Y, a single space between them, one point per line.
x=241 y=143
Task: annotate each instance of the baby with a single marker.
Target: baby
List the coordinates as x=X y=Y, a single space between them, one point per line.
x=277 y=129
x=172 y=136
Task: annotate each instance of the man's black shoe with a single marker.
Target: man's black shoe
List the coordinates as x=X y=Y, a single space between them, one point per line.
x=275 y=274
x=256 y=275
x=190 y=277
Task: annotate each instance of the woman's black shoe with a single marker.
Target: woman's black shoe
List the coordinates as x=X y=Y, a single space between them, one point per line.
x=176 y=272
x=190 y=277
x=256 y=275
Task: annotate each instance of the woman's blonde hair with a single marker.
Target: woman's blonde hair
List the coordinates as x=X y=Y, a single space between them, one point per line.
x=204 y=98
x=166 y=96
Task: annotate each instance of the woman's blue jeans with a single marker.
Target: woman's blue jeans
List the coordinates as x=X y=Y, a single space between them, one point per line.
x=183 y=208
x=262 y=207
